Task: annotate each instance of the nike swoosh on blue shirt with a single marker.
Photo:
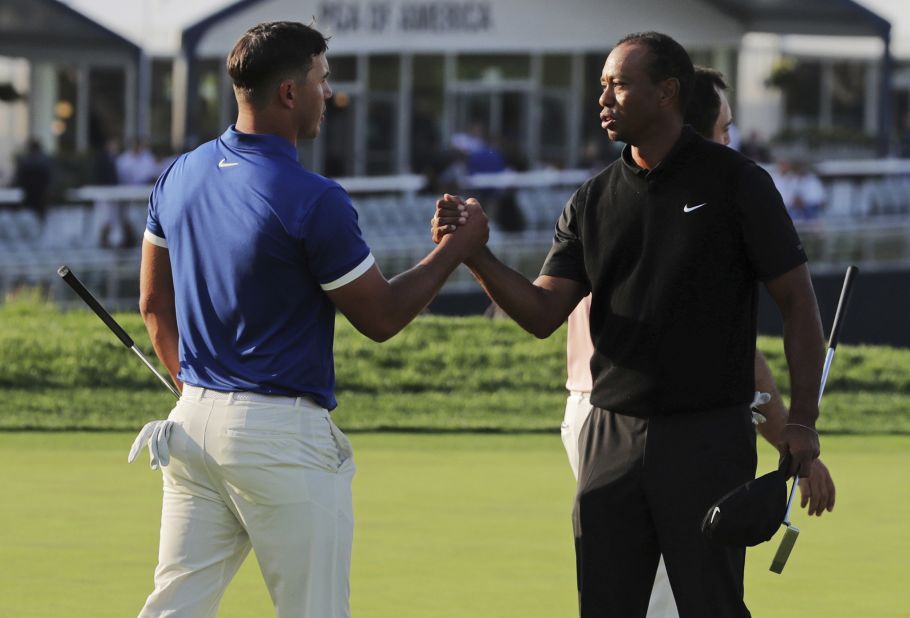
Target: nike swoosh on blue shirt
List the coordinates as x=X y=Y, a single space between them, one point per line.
x=224 y=163
x=687 y=209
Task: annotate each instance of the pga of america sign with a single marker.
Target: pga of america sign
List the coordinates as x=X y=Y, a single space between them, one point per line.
x=406 y=17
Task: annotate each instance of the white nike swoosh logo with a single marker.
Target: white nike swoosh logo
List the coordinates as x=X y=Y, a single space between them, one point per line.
x=224 y=163
x=714 y=514
x=687 y=209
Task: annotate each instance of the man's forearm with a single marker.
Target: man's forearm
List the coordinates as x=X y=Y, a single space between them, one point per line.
x=411 y=291
x=805 y=348
x=775 y=411
x=534 y=308
x=162 y=329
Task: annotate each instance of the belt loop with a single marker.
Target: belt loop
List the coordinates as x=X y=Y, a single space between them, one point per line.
x=200 y=393
x=297 y=402
x=230 y=398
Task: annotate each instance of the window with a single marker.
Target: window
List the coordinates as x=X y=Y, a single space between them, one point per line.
x=427 y=105
x=107 y=111
x=493 y=68
x=848 y=94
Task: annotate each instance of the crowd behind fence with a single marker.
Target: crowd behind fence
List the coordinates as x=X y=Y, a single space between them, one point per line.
x=865 y=219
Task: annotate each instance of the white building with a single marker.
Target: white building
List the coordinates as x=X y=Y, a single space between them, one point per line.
x=410 y=74
x=69 y=80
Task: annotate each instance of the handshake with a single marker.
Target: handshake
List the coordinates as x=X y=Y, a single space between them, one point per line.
x=461 y=224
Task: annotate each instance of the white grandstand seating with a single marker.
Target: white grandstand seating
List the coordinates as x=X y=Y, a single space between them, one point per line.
x=10 y=195
x=866 y=220
x=866 y=188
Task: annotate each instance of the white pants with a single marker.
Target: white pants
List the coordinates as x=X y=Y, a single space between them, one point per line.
x=271 y=474
x=578 y=407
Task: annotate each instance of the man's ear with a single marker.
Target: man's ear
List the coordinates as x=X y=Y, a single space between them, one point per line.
x=286 y=93
x=669 y=90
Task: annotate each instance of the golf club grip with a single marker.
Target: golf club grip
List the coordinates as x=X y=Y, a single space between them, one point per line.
x=842 y=306
x=92 y=302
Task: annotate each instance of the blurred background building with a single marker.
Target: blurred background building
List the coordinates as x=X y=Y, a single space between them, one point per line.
x=493 y=97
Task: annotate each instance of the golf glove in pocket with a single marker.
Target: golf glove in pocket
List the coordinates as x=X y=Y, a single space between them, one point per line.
x=760 y=399
x=156 y=434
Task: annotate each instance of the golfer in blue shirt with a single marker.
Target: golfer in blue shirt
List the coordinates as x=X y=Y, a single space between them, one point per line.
x=246 y=257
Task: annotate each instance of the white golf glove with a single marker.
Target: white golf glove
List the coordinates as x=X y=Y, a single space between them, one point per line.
x=156 y=434
x=760 y=399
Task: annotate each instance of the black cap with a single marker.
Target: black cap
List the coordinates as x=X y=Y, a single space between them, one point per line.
x=751 y=513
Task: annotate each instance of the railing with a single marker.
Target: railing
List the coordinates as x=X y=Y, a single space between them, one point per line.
x=10 y=196
x=866 y=221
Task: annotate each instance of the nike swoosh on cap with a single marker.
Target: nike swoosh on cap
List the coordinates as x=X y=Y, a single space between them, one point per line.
x=224 y=163
x=687 y=209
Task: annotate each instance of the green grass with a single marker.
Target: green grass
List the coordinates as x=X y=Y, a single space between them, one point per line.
x=448 y=526
x=67 y=371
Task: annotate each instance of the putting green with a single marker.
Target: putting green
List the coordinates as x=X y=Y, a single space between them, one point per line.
x=447 y=526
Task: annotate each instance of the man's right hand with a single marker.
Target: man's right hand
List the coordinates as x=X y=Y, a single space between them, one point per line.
x=817 y=490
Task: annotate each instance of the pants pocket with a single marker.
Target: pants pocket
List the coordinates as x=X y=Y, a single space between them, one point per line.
x=345 y=450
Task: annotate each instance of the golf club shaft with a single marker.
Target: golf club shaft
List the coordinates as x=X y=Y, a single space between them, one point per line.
x=839 y=314
x=829 y=358
x=791 y=533
x=73 y=281
x=792 y=495
x=842 y=303
x=148 y=364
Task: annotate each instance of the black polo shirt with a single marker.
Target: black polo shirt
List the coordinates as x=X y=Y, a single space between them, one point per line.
x=673 y=257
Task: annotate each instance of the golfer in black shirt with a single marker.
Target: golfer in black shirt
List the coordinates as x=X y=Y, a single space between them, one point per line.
x=671 y=240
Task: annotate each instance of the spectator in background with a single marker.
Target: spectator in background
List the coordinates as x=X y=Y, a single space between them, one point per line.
x=801 y=189
x=454 y=163
x=104 y=163
x=485 y=157
x=107 y=215
x=33 y=175
x=481 y=156
x=137 y=166
x=755 y=148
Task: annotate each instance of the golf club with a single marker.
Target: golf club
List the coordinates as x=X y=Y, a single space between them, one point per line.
x=67 y=275
x=792 y=532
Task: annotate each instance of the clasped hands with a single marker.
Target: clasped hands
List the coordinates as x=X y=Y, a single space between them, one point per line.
x=453 y=212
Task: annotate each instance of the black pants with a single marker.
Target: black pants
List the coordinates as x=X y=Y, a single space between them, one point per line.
x=644 y=486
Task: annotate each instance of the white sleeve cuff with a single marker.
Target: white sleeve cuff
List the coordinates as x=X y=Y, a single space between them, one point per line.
x=353 y=274
x=155 y=240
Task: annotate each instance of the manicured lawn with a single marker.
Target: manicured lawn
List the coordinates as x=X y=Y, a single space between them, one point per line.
x=66 y=371
x=447 y=526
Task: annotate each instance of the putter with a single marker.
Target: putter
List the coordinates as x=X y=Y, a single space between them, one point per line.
x=792 y=532
x=67 y=275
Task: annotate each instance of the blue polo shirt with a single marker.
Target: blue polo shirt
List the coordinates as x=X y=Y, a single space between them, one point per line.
x=255 y=241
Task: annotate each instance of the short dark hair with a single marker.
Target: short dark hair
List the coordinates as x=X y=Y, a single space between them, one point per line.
x=669 y=60
x=270 y=52
x=704 y=106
